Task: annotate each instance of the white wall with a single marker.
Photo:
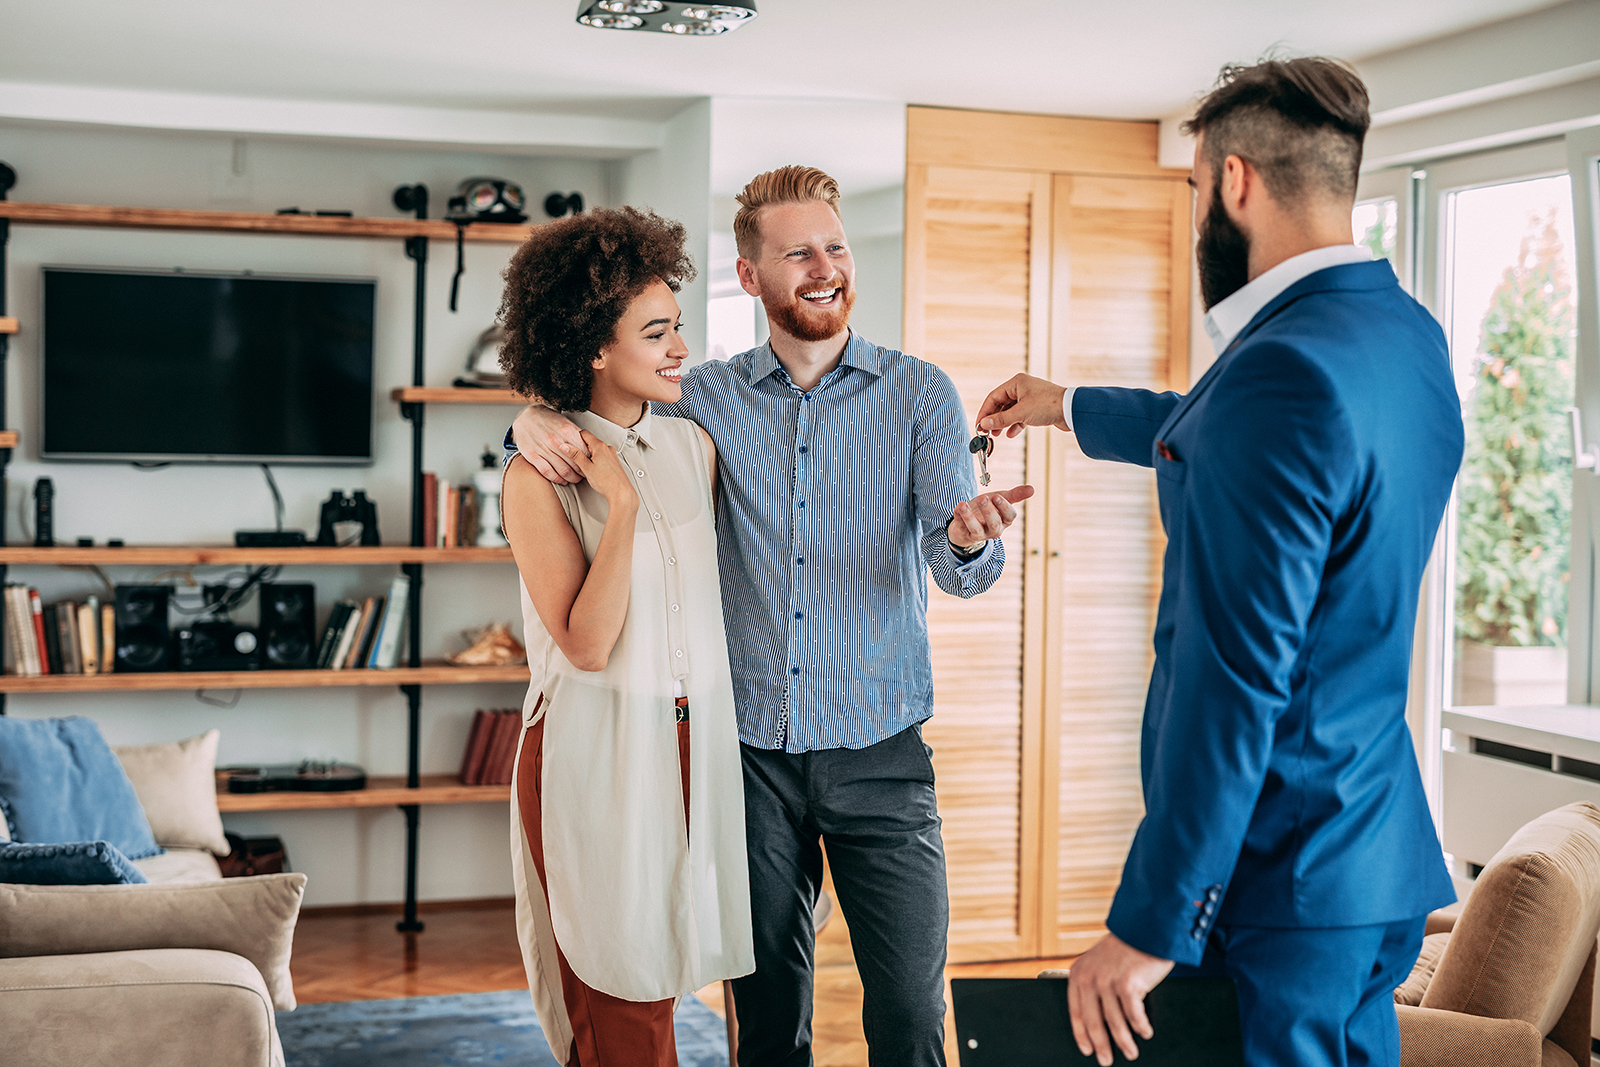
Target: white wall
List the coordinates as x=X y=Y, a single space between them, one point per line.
x=351 y=856
x=675 y=181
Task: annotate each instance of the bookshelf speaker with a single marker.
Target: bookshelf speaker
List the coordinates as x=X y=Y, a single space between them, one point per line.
x=144 y=641
x=288 y=625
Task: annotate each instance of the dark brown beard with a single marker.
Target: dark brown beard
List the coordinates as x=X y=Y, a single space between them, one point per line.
x=1222 y=254
x=811 y=326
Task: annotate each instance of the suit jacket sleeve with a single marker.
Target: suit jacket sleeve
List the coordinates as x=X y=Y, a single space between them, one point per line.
x=1120 y=424
x=1251 y=511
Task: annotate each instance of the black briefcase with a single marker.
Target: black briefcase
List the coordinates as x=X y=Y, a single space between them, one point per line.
x=1024 y=1022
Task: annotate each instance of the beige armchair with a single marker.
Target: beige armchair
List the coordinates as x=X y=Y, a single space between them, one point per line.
x=1509 y=982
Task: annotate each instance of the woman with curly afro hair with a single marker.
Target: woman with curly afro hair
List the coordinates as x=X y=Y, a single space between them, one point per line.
x=628 y=842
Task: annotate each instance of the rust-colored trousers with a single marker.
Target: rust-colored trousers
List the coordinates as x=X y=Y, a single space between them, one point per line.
x=606 y=1031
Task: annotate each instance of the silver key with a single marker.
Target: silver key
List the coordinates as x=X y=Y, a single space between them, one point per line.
x=981 y=446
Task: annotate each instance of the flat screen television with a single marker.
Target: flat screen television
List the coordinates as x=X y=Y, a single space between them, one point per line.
x=190 y=367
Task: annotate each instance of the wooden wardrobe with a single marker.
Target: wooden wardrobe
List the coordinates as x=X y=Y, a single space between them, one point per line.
x=1058 y=247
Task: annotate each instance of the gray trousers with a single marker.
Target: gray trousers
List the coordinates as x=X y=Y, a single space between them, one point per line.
x=873 y=810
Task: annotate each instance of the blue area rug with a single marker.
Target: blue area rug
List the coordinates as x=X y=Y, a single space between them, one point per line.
x=466 y=1028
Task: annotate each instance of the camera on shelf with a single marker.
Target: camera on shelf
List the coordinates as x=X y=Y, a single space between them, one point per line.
x=353 y=508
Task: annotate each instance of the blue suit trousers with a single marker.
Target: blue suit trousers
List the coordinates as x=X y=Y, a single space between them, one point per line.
x=1315 y=997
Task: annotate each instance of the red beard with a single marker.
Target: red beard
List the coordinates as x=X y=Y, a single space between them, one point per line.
x=809 y=323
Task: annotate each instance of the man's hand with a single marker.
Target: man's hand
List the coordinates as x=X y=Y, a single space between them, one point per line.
x=542 y=436
x=1106 y=991
x=1023 y=401
x=985 y=516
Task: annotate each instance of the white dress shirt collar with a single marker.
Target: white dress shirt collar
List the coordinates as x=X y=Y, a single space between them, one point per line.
x=1229 y=316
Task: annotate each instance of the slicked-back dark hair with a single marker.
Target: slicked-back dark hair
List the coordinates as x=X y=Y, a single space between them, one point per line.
x=567 y=288
x=1300 y=122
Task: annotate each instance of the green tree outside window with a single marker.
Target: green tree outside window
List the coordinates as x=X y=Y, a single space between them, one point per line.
x=1515 y=489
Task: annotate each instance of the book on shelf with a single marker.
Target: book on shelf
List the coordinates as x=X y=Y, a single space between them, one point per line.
x=52 y=641
x=338 y=616
x=347 y=637
x=66 y=613
x=467 y=515
x=361 y=644
x=20 y=631
x=36 y=613
x=89 y=635
x=430 y=508
x=391 y=632
x=502 y=754
x=108 y=637
x=490 y=754
x=473 y=753
x=14 y=661
x=445 y=533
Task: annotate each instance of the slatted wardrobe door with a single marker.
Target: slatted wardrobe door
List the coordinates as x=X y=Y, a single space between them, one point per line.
x=1120 y=276
x=977 y=261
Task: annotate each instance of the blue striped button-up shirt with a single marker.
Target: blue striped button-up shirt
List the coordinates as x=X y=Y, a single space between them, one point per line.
x=831 y=503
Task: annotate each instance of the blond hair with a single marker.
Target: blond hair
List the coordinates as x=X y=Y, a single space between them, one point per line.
x=786 y=185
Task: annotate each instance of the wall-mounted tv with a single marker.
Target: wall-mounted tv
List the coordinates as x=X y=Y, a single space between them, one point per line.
x=189 y=367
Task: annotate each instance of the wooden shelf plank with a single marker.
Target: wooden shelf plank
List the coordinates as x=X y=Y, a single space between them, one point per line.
x=445 y=395
x=199 y=555
x=431 y=674
x=382 y=791
x=8 y=324
x=138 y=218
x=9 y=438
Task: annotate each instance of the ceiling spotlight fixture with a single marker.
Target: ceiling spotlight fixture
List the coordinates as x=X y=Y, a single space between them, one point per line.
x=677 y=18
x=698 y=27
x=718 y=12
x=603 y=21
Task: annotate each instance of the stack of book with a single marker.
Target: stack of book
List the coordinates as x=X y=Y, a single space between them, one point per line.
x=449 y=513
x=66 y=637
x=491 y=747
x=370 y=634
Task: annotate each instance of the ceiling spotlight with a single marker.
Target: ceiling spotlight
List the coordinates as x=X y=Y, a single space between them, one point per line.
x=718 y=12
x=671 y=16
x=698 y=27
x=612 y=22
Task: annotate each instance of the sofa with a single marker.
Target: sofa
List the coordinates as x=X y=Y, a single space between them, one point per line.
x=1509 y=982
x=185 y=968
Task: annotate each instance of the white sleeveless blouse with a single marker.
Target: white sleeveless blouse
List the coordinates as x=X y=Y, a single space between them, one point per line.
x=641 y=911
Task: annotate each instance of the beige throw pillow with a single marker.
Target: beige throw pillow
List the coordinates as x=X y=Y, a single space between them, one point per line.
x=176 y=784
x=253 y=917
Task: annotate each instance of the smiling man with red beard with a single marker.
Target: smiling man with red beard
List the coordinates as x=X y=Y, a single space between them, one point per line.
x=845 y=478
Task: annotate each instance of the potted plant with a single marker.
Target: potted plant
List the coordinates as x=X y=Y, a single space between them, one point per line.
x=1514 y=496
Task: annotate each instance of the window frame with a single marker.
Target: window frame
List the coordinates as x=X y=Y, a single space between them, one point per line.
x=1423 y=193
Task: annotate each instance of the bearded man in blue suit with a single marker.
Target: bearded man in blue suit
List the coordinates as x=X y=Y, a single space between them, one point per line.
x=1287 y=841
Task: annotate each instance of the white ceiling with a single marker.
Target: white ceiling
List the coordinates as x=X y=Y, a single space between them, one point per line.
x=1087 y=57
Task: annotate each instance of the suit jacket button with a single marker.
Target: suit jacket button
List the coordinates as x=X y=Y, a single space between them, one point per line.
x=1198 y=934
x=1214 y=892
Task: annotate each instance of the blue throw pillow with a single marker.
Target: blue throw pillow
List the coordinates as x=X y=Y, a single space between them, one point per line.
x=61 y=783
x=80 y=863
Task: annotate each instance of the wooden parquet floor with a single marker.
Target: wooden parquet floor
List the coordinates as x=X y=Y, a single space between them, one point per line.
x=472 y=948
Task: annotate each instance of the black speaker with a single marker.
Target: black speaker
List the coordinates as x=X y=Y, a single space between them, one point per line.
x=288 y=625
x=144 y=641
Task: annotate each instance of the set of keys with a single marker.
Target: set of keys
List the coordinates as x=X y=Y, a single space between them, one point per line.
x=981 y=446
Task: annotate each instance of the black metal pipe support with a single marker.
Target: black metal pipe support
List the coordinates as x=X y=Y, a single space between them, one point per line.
x=410 y=924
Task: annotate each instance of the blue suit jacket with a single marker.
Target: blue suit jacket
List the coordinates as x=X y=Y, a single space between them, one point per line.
x=1301 y=485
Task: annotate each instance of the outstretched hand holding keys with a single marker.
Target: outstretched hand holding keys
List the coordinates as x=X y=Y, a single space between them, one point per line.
x=1022 y=401
x=985 y=516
